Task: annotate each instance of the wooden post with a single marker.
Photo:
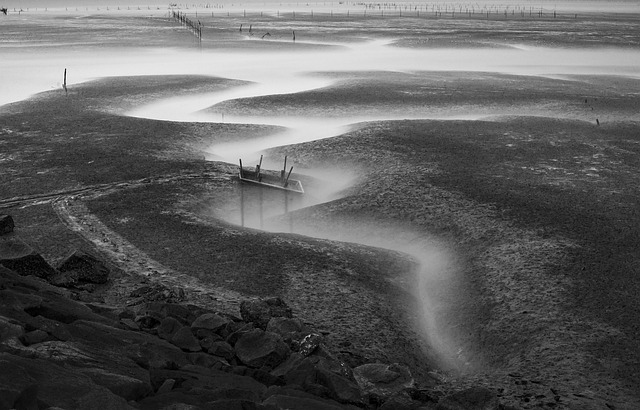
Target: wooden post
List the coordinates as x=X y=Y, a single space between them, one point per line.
x=286 y=181
x=284 y=169
x=258 y=169
x=241 y=174
x=64 y=84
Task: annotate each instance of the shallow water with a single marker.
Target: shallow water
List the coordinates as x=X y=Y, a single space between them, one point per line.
x=34 y=64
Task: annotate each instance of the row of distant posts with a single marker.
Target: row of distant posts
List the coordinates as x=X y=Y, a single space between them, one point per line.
x=196 y=28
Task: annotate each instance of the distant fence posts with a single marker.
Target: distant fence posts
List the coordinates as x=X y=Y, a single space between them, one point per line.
x=196 y=28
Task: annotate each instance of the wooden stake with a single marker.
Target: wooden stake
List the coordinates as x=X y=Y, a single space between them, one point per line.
x=64 y=84
x=286 y=181
x=258 y=169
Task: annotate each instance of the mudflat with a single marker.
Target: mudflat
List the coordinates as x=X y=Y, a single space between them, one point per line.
x=485 y=226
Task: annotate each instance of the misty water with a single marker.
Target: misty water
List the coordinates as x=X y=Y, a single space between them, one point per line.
x=31 y=66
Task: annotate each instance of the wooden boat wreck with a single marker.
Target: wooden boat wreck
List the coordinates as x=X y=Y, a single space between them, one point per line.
x=271 y=179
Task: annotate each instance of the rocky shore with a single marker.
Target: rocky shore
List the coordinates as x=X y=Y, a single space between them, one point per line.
x=62 y=346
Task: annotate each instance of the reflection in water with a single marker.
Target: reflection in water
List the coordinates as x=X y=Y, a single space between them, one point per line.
x=435 y=279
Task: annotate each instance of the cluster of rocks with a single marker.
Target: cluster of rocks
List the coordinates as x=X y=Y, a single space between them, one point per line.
x=59 y=350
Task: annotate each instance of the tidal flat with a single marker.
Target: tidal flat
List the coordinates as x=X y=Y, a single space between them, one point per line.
x=471 y=205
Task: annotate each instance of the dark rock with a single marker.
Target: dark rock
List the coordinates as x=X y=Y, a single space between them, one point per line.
x=226 y=393
x=210 y=321
x=260 y=375
x=23 y=259
x=316 y=371
x=222 y=349
x=28 y=399
x=168 y=327
x=236 y=330
x=57 y=386
x=208 y=334
x=62 y=309
x=301 y=403
x=232 y=404
x=158 y=356
x=166 y=386
x=16 y=300
x=57 y=330
x=106 y=366
x=202 y=378
x=261 y=311
x=173 y=400
x=288 y=328
x=129 y=324
x=309 y=344
x=261 y=349
x=181 y=313
x=383 y=380
x=185 y=340
x=6 y=224
x=35 y=336
x=288 y=365
x=476 y=398
x=10 y=329
x=206 y=360
x=82 y=267
x=402 y=401
x=207 y=341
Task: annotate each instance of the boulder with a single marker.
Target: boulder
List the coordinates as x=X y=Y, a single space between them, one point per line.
x=209 y=321
x=166 y=386
x=288 y=365
x=35 y=336
x=81 y=267
x=57 y=386
x=185 y=340
x=309 y=344
x=320 y=375
x=475 y=398
x=260 y=375
x=301 y=403
x=383 y=380
x=19 y=257
x=10 y=328
x=168 y=327
x=401 y=401
x=106 y=367
x=258 y=348
x=174 y=400
x=194 y=377
x=222 y=349
x=237 y=330
x=288 y=328
x=206 y=360
x=233 y=404
x=6 y=224
x=260 y=312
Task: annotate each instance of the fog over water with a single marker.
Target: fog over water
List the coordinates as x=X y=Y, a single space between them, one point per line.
x=290 y=72
x=30 y=68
